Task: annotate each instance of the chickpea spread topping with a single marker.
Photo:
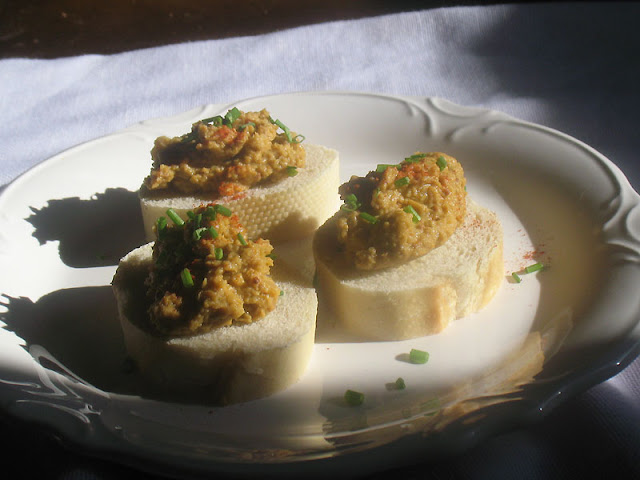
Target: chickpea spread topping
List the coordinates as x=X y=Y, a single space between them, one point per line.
x=225 y=156
x=400 y=212
x=205 y=274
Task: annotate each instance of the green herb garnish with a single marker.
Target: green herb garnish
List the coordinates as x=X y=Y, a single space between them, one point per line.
x=221 y=209
x=187 y=279
x=418 y=356
x=400 y=385
x=383 y=166
x=412 y=211
x=292 y=171
x=415 y=158
x=441 y=162
x=218 y=253
x=199 y=232
x=241 y=239
x=367 y=217
x=287 y=132
x=175 y=218
x=534 y=268
x=351 y=203
x=516 y=277
x=401 y=182
x=213 y=232
x=353 y=398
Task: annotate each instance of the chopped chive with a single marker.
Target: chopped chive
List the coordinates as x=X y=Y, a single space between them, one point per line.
x=218 y=253
x=383 y=166
x=222 y=210
x=516 y=277
x=368 y=217
x=418 y=356
x=210 y=213
x=242 y=127
x=198 y=220
x=213 y=232
x=272 y=256
x=161 y=224
x=351 y=203
x=231 y=116
x=287 y=132
x=534 y=268
x=191 y=215
x=282 y=293
x=187 y=279
x=416 y=157
x=412 y=211
x=353 y=398
x=400 y=385
x=241 y=238
x=441 y=162
x=175 y=218
x=217 y=120
x=199 y=232
x=292 y=171
x=401 y=182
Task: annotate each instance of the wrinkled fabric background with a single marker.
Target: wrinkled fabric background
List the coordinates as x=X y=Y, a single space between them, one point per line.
x=570 y=66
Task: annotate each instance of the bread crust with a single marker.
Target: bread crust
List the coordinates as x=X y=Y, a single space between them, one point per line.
x=289 y=210
x=230 y=364
x=420 y=297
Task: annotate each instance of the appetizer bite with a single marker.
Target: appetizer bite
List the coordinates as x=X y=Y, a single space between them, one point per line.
x=205 y=315
x=408 y=252
x=279 y=188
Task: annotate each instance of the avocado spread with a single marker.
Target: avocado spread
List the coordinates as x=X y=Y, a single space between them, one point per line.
x=224 y=156
x=206 y=274
x=401 y=211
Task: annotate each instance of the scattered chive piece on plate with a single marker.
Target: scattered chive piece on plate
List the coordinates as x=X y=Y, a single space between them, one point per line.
x=353 y=398
x=292 y=171
x=534 y=268
x=418 y=356
x=516 y=277
x=400 y=385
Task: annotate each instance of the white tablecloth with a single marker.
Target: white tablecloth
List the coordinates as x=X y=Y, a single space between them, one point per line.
x=573 y=67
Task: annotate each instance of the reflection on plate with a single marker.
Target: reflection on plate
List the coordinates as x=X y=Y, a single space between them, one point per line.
x=64 y=227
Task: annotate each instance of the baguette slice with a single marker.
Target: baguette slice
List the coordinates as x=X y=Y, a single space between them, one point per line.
x=228 y=365
x=291 y=209
x=420 y=297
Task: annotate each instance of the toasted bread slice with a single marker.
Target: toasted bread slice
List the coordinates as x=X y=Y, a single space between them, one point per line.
x=288 y=210
x=420 y=297
x=227 y=365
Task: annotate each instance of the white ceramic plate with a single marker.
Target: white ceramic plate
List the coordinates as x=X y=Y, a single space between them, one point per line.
x=65 y=223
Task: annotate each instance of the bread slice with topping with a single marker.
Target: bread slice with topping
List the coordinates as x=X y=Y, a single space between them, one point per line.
x=419 y=297
x=231 y=364
x=288 y=210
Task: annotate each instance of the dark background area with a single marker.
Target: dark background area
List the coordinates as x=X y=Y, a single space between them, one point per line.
x=57 y=28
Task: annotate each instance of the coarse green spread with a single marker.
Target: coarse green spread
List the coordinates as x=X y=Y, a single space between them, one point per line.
x=224 y=156
x=206 y=274
x=401 y=211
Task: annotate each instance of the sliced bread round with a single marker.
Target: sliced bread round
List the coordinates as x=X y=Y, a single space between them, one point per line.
x=227 y=365
x=288 y=210
x=419 y=297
